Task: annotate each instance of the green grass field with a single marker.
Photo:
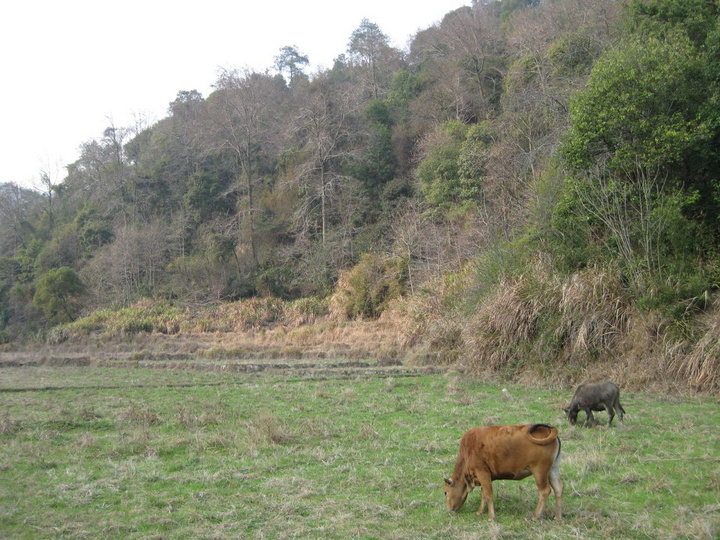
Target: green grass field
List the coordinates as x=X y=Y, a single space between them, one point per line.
x=115 y=453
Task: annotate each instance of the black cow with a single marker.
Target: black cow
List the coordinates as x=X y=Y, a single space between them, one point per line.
x=595 y=397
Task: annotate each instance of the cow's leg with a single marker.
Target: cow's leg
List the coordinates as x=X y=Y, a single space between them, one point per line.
x=557 y=486
x=611 y=413
x=544 y=488
x=619 y=410
x=589 y=418
x=487 y=495
x=482 y=502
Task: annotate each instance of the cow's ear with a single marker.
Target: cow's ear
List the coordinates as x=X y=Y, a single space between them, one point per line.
x=449 y=482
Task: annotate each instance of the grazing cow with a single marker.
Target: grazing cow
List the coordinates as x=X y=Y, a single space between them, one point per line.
x=506 y=453
x=604 y=396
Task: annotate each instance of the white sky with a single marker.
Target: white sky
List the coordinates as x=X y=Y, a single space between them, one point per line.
x=71 y=67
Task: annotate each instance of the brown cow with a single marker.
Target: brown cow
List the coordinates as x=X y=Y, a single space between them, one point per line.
x=506 y=453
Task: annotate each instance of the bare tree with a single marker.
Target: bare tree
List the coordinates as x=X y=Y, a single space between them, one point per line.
x=15 y=209
x=49 y=188
x=243 y=117
x=324 y=127
x=628 y=205
x=132 y=264
x=103 y=176
x=462 y=60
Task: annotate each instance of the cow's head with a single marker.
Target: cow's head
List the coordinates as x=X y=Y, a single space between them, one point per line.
x=456 y=491
x=571 y=412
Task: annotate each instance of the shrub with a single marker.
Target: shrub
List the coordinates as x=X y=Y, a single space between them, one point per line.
x=372 y=284
x=56 y=294
x=593 y=310
x=305 y=310
x=144 y=316
x=252 y=313
x=445 y=341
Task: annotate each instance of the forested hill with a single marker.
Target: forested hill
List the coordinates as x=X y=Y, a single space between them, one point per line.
x=530 y=179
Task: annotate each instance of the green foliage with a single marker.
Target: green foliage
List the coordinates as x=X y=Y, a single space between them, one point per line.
x=65 y=249
x=507 y=7
x=454 y=167
x=649 y=104
x=367 y=42
x=473 y=158
x=26 y=258
x=56 y=294
x=680 y=300
x=640 y=108
x=221 y=248
x=276 y=280
x=569 y=237
x=395 y=194
x=439 y=171
x=378 y=112
x=676 y=228
x=9 y=269
x=93 y=230
x=404 y=88
x=504 y=260
x=640 y=149
x=372 y=284
x=291 y=59
x=377 y=166
x=204 y=196
x=695 y=19
x=573 y=54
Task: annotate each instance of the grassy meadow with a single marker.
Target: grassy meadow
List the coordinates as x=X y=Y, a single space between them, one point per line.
x=133 y=453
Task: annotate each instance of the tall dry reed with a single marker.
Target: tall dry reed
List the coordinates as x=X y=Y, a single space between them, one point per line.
x=701 y=364
x=537 y=318
x=594 y=310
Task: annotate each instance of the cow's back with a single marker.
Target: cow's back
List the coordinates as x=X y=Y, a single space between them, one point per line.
x=504 y=451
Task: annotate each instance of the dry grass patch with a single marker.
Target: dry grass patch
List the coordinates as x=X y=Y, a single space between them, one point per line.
x=189 y=417
x=267 y=428
x=7 y=424
x=594 y=310
x=701 y=366
x=536 y=327
x=503 y=322
x=140 y=415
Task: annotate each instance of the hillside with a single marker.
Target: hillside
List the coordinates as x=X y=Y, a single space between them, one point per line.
x=530 y=191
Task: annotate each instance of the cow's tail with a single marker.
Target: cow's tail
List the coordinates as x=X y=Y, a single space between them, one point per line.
x=542 y=433
x=555 y=469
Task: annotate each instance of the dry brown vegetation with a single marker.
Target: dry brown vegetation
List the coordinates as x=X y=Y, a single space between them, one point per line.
x=700 y=366
x=536 y=328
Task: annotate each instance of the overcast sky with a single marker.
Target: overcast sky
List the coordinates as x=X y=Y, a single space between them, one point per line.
x=70 y=68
